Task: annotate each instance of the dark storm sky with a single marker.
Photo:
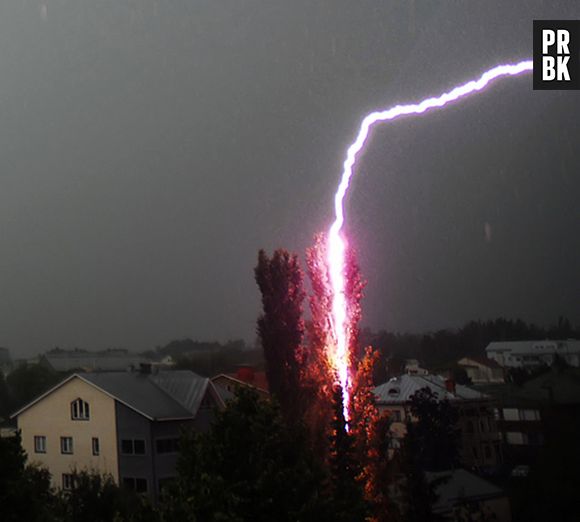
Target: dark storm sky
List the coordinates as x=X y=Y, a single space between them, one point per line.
x=149 y=148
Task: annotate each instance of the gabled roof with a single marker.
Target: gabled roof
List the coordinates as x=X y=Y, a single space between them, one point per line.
x=260 y=382
x=400 y=389
x=458 y=486
x=162 y=396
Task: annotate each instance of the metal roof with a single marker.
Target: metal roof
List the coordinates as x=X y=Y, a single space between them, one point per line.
x=166 y=395
x=400 y=389
x=556 y=386
x=459 y=486
x=546 y=346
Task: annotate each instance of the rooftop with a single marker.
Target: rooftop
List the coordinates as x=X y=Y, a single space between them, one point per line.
x=108 y=360
x=162 y=396
x=535 y=347
x=458 y=486
x=400 y=389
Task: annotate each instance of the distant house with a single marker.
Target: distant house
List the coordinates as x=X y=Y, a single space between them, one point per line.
x=481 y=370
x=533 y=412
x=522 y=354
x=464 y=496
x=115 y=360
x=125 y=424
x=480 y=442
x=412 y=367
x=246 y=376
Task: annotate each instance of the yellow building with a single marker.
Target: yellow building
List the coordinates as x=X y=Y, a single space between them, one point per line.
x=126 y=424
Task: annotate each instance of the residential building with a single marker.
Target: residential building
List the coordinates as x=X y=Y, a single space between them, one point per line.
x=126 y=424
x=541 y=409
x=481 y=370
x=479 y=441
x=522 y=354
x=412 y=367
x=113 y=360
x=464 y=496
x=245 y=376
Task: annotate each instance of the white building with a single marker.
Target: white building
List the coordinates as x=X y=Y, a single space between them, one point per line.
x=521 y=354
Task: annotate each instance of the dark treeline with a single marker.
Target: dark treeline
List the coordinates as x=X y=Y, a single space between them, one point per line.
x=208 y=358
x=447 y=346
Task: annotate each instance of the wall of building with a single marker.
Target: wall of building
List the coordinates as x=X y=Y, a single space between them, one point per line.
x=51 y=417
x=153 y=466
x=135 y=427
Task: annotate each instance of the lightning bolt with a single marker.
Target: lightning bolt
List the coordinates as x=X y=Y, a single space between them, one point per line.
x=339 y=356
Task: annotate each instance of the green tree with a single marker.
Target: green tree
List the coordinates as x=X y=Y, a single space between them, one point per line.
x=25 y=492
x=281 y=328
x=434 y=431
x=96 y=497
x=29 y=381
x=250 y=466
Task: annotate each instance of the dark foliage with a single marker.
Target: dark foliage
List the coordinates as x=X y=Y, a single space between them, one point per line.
x=445 y=347
x=25 y=492
x=281 y=328
x=29 y=381
x=434 y=433
x=97 y=498
x=347 y=491
x=250 y=466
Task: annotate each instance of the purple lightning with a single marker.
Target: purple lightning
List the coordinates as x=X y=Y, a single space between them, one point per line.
x=338 y=354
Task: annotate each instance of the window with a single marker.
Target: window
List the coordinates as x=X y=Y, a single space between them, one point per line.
x=511 y=414
x=167 y=445
x=66 y=445
x=535 y=438
x=39 y=444
x=135 y=484
x=516 y=438
x=529 y=415
x=133 y=447
x=96 y=446
x=67 y=481
x=79 y=410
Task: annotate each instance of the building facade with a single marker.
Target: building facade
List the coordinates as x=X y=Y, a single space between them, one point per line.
x=127 y=425
x=479 y=442
x=481 y=370
x=525 y=354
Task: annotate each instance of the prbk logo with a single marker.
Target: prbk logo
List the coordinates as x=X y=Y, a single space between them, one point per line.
x=556 y=54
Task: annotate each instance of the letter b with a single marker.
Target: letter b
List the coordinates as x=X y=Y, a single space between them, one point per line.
x=548 y=68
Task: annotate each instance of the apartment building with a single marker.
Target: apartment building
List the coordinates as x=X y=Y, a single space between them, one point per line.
x=126 y=424
x=479 y=442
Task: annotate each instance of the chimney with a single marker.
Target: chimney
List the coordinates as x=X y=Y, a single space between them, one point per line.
x=450 y=385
